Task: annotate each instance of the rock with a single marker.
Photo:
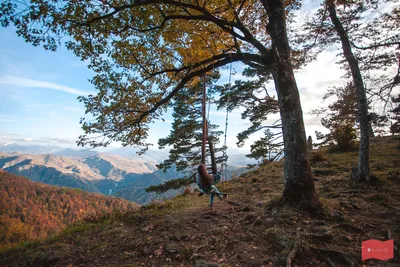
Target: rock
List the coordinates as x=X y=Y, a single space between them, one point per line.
x=171 y=248
x=319 y=223
x=337 y=214
x=249 y=218
x=245 y=209
x=202 y=263
x=260 y=204
x=220 y=230
x=50 y=261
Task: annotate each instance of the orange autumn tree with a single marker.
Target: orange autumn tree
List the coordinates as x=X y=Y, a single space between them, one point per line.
x=145 y=51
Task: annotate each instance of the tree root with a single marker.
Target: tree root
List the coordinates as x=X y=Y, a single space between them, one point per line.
x=233 y=203
x=293 y=252
x=348 y=227
x=345 y=193
x=252 y=225
x=326 y=236
x=340 y=256
x=392 y=207
x=330 y=263
x=196 y=250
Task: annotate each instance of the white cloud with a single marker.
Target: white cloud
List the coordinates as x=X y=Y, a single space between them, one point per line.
x=218 y=113
x=18 y=118
x=27 y=82
x=7 y=120
x=46 y=140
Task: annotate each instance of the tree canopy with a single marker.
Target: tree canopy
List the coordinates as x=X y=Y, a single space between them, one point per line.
x=143 y=52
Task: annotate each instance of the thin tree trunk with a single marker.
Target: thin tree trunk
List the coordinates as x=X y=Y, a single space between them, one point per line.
x=363 y=169
x=298 y=181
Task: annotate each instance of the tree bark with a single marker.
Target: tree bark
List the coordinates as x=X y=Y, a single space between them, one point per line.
x=363 y=168
x=298 y=181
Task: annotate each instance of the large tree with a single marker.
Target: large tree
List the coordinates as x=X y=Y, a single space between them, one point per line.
x=145 y=51
x=364 y=49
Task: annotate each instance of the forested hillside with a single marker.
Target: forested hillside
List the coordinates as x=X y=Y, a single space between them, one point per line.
x=29 y=210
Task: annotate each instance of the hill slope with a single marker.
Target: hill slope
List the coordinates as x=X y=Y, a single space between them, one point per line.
x=29 y=210
x=99 y=173
x=250 y=229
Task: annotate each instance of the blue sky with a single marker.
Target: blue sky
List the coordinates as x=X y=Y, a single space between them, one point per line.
x=39 y=90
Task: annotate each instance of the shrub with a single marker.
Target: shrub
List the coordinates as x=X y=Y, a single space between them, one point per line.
x=317 y=156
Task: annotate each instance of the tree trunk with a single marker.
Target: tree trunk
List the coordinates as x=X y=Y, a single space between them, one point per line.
x=298 y=181
x=363 y=168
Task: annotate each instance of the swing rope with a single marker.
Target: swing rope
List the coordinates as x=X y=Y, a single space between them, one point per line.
x=203 y=147
x=226 y=126
x=206 y=181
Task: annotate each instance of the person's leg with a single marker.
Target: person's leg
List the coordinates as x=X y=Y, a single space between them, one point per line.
x=216 y=191
x=211 y=200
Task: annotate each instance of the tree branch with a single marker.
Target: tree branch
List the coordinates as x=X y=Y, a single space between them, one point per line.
x=198 y=73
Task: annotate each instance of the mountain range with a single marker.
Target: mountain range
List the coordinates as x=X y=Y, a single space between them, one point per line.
x=98 y=173
x=92 y=171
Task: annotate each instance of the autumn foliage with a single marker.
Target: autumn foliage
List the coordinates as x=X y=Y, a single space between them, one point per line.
x=30 y=210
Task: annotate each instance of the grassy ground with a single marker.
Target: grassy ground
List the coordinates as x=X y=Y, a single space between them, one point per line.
x=249 y=229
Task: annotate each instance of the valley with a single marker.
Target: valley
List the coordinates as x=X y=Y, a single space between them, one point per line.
x=109 y=174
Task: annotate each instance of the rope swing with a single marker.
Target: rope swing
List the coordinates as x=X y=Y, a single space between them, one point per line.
x=205 y=180
x=226 y=128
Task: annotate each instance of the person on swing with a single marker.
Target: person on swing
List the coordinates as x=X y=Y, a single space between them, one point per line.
x=206 y=183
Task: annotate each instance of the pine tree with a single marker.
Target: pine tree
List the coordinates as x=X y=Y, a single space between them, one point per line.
x=185 y=138
x=186 y=135
x=265 y=149
x=340 y=118
x=254 y=98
